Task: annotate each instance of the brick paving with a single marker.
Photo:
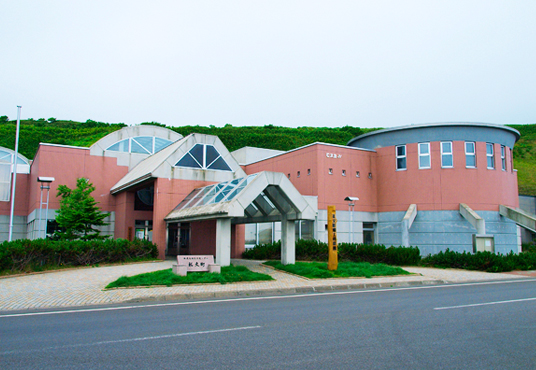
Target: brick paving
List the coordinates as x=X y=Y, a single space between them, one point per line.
x=85 y=286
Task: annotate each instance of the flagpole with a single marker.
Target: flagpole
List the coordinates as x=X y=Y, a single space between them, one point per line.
x=15 y=164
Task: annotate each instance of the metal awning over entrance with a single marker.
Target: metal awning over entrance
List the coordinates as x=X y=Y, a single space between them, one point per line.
x=261 y=197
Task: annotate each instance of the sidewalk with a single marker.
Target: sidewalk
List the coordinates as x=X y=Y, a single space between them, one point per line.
x=81 y=287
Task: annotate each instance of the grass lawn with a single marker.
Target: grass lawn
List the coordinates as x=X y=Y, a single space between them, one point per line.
x=319 y=270
x=229 y=274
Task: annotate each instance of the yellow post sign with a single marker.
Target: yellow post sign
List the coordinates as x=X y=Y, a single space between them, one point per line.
x=332 y=239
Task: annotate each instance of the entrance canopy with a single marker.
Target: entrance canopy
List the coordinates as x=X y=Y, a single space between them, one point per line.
x=261 y=197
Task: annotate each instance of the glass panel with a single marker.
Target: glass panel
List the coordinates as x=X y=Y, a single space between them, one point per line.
x=120 y=146
x=5 y=181
x=146 y=142
x=160 y=144
x=425 y=161
x=188 y=161
x=470 y=160
x=206 y=194
x=469 y=147
x=446 y=147
x=137 y=148
x=489 y=148
x=241 y=186
x=189 y=197
x=212 y=155
x=5 y=156
x=401 y=150
x=490 y=162
x=446 y=160
x=197 y=153
x=265 y=233
x=401 y=163
x=219 y=164
x=423 y=147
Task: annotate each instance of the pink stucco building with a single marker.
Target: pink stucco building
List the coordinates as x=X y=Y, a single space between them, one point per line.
x=434 y=186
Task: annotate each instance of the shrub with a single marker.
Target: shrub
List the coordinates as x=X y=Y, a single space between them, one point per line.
x=482 y=261
x=35 y=255
x=314 y=250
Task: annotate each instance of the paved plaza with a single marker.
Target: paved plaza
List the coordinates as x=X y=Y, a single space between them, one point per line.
x=85 y=286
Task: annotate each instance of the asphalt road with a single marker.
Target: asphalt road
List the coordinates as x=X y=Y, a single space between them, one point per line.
x=466 y=326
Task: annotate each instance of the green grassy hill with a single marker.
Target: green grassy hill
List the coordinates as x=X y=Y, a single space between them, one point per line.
x=84 y=134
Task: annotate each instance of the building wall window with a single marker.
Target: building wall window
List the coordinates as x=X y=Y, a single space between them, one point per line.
x=446 y=155
x=357 y=174
x=511 y=161
x=503 y=157
x=490 y=156
x=308 y=172
x=344 y=172
x=298 y=175
x=368 y=232
x=470 y=154
x=330 y=171
x=401 y=157
x=424 y=155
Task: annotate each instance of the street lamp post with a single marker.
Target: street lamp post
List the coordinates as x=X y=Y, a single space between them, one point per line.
x=45 y=185
x=351 y=205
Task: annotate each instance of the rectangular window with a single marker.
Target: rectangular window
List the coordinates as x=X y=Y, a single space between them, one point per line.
x=446 y=154
x=424 y=155
x=344 y=172
x=503 y=157
x=330 y=171
x=368 y=232
x=511 y=161
x=308 y=172
x=490 y=157
x=356 y=173
x=401 y=157
x=470 y=154
x=298 y=175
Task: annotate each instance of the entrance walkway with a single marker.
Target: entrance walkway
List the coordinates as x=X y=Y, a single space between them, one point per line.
x=81 y=287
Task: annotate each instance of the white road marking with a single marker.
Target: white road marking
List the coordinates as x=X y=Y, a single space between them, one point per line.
x=130 y=340
x=262 y=298
x=485 y=304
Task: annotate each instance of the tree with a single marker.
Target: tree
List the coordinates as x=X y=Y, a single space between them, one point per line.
x=78 y=212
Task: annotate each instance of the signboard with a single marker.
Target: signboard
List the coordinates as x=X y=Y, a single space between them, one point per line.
x=332 y=239
x=196 y=263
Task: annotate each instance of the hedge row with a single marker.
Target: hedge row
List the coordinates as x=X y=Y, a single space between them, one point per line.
x=482 y=261
x=314 y=250
x=36 y=255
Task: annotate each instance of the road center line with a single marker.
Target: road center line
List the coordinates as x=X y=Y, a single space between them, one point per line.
x=132 y=340
x=304 y=295
x=485 y=304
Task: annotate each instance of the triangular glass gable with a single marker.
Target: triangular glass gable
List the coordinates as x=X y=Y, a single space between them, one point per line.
x=204 y=156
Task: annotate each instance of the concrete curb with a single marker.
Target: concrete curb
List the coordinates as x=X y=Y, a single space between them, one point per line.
x=284 y=291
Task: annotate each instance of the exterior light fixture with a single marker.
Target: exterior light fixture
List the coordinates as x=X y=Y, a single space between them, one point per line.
x=351 y=204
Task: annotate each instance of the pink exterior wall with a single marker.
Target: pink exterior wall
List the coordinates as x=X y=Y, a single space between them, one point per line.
x=330 y=189
x=444 y=188
x=66 y=165
x=21 y=197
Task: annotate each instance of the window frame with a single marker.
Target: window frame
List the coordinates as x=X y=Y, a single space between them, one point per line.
x=421 y=155
x=503 y=157
x=490 y=156
x=470 y=154
x=447 y=154
x=402 y=156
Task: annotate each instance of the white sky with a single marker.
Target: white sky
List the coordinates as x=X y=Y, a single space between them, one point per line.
x=286 y=63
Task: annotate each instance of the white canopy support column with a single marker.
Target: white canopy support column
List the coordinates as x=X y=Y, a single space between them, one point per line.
x=407 y=221
x=223 y=241
x=288 y=241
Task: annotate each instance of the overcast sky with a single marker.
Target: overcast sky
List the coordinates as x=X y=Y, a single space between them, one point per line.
x=286 y=63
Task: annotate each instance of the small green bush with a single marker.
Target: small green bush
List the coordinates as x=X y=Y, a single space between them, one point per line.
x=40 y=254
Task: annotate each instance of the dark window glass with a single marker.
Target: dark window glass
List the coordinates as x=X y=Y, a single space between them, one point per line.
x=188 y=161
